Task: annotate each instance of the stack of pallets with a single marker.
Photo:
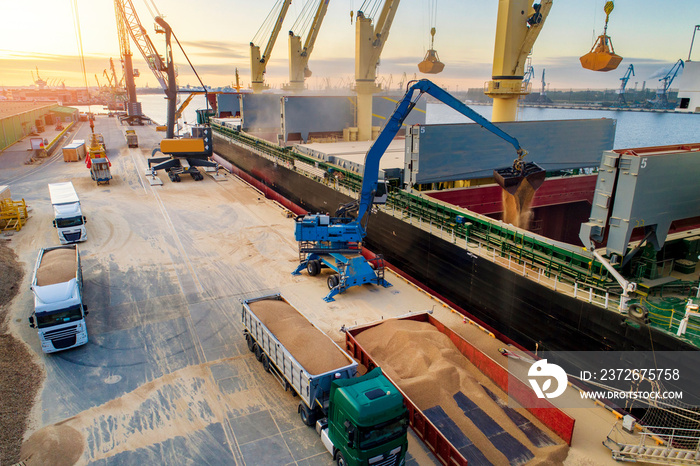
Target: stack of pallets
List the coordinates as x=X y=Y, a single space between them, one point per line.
x=13 y=214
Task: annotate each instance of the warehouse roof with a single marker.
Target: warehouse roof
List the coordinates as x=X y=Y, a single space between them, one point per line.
x=10 y=108
x=64 y=110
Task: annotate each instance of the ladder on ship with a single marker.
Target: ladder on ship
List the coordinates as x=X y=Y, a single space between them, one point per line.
x=657 y=445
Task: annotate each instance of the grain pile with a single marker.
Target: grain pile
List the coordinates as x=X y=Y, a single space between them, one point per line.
x=20 y=376
x=310 y=347
x=57 y=444
x=57 y=266
x=429 y=368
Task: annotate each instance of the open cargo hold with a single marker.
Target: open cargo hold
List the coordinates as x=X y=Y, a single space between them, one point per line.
x=433 y=426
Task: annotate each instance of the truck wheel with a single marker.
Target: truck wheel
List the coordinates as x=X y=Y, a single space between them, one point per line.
x=266 y=362
x=251 y=343
x=340 y=461
x=313 y=267
x=258 y=352
x=307 y=415
x=333 y=281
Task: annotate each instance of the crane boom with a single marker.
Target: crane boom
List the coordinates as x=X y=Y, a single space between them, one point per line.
x=258 y=63
x=324 y=240
x=131 y=24
x=393 y=125
x=298 y=55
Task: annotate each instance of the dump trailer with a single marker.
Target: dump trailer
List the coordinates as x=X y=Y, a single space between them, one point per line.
x=69 y=220
x=435 y=428
x=59 y=311
x=361 y=420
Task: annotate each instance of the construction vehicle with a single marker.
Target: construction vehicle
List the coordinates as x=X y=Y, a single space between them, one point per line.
x=361 y=420
x=132 y=139
x=271 y=29
x=69 y=220
x=182 y=155
x=59 y=311
x=335 y=242
x=602 y=56
x=298 y=55
x=96 y=160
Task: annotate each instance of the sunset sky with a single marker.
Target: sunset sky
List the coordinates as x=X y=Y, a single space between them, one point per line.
x=650 y=34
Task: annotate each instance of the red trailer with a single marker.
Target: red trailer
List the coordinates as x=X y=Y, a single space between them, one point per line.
x=558 y=421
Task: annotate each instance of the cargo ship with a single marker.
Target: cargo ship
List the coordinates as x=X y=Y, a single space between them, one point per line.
x=533 y=291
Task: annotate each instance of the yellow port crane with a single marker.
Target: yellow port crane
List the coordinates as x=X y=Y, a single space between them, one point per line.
x=298 y=55
x=369 y=43
x=518 y=26
x=258 y=63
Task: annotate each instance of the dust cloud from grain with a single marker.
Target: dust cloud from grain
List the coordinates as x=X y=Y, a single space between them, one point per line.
x=517 y=207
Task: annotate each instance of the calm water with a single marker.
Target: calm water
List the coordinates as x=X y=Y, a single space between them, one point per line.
x=634 y=129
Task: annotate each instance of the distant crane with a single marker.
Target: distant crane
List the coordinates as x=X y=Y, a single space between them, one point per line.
x=258 y=63
x=543 y=91
x=109 y=78
x=529 y=74
x=40 y=83
x=661 y=100
x=298 y=55
x=621 y=101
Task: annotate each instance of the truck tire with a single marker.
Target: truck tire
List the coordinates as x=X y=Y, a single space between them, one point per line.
x=258 y=352
x=313 y=267
x=307 y=415
x=266 y=362
x=250 y=341
x=340 y=460
x=333 y=281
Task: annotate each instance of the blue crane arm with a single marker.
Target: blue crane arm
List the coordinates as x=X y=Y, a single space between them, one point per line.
x=393 y=125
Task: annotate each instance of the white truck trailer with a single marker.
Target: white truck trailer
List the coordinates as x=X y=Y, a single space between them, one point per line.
x=59 y=312
x=69 y=220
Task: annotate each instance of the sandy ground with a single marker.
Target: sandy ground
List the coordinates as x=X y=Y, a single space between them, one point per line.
x=166 y=376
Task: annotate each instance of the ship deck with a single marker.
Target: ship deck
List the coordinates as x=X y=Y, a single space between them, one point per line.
x=166 y=376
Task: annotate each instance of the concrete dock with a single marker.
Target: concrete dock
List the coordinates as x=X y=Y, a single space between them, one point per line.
x=166 y=377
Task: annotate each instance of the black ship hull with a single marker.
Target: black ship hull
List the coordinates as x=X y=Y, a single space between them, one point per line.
x=516 y=308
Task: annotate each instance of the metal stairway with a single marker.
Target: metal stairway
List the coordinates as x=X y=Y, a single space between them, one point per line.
x=657 y=445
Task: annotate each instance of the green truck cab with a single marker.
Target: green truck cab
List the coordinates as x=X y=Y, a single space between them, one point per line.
x=367 y=422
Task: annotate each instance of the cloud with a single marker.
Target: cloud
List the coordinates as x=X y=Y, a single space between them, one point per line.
x=217 y=49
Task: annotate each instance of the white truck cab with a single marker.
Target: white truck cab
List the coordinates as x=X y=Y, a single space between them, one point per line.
x=69 y=220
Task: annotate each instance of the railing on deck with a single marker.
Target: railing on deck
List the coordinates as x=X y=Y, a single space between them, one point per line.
x=551 y=265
